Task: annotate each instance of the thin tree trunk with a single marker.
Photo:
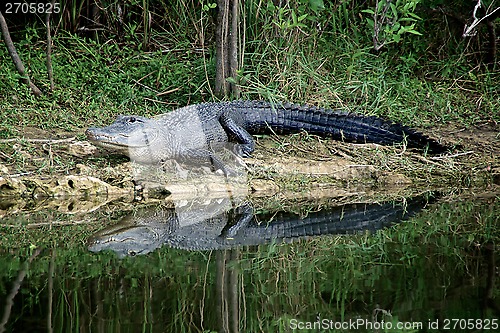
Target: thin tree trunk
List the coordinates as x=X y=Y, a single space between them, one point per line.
x=233 y=48
x=226 y=40
x=15 y=57
x=221 y=72
x=491 y=54
x=49 y=49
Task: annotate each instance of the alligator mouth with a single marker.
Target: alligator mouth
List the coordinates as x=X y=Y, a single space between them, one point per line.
x=108 y=235
x=110 y=141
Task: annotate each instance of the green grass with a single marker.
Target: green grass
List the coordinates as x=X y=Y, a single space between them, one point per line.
x=361 y=81
x=96 y=82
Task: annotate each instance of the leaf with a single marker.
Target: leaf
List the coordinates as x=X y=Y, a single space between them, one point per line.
x=381 y=5
x=302 y=17
x=368 y=11
x=415 y=32
x=415 y=16
x=370 y=22
x=316 y=5
x=294 y=17
x=402 y=30
x=394 y=10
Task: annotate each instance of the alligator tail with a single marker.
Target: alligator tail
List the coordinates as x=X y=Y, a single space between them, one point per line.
x=341 y=125
x=347 y=219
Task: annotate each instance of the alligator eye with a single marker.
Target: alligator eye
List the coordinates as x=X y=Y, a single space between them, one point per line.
x=132 y=120
x=132 y=253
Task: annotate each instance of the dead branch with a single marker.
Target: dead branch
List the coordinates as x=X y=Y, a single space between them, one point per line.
x=378 y=23
x=470 y=30
x=15 y=57
x=49 y=141
x=9 y=301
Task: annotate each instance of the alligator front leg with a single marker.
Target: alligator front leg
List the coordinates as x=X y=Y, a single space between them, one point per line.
x=246 y=144
x=204 y=157
x=246 y=214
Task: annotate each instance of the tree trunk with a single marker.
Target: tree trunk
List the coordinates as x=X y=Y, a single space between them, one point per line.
x=50 y=72
x=226 y=39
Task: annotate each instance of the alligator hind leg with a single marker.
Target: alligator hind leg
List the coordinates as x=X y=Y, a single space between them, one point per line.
x=246 y=144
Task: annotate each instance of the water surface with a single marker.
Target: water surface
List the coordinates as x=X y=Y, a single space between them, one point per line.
x=437 y=266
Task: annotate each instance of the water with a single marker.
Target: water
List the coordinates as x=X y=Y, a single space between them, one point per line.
x=433 y=269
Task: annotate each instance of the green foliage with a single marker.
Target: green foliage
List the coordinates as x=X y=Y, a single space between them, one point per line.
x=97 y=81
x=286 y=17
x=208 y=6
x=284 y=22
x=73 y=11
x=391 y=20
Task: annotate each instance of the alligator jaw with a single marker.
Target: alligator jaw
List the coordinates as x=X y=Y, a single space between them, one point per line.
x=119 y=142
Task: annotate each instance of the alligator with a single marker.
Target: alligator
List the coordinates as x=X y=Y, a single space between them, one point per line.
x=200 y=229
x=195 y=133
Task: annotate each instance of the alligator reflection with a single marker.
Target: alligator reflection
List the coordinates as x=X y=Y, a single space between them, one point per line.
x=211 y=227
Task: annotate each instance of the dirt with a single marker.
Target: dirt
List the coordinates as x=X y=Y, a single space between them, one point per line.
x=49 y=164
x=483 y=139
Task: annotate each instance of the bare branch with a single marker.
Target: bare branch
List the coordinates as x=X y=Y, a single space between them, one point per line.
x=471 y=30
x=380 y=22
x=16 y=285
x=15 y=57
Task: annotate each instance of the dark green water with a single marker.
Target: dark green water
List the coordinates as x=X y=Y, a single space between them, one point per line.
x=439 y=268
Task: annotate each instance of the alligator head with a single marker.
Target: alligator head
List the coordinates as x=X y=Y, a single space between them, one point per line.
x=124 y=242
x=133 y=136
